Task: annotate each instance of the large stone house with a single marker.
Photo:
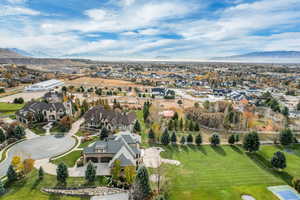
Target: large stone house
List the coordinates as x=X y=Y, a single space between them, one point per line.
x=99 y=117
x=49 y=112
x=124 y=146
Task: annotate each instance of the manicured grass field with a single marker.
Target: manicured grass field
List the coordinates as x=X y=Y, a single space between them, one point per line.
x=87 y=143
x=144 y=133
x=9 y=108
x=29 y=188
x=69 y=159
x=219 y=173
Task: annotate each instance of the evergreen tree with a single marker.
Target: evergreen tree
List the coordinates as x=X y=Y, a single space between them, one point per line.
x=191 y=126
x=62 y=173
x=137 y=127
x=285 y=111
x=2 y=136
x=231 y=139
x=104 y=133
x=165 y=138
x=170 y=125
x=198 y=139
x=197 y=128
x=151 y=136
x=278 y=160
x=175 y=124
x=182 y=140
x=146 y=110
x=19 y=132
x=41 y=173
x=181 y=125
x=2 y=189
x=286 y=137
x=174 y=138
x=143 y=183
x=11 y=174
x=175 y=117
x=215 y=139
x=90 y=173
x=251 y=142
x=237 y=138
x=190 y=139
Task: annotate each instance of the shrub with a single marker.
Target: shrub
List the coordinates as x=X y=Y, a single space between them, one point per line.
x=215 y=139
x=231 y=139
x=198 y=139
x=296 y=184
x=286 y=137
x=278 y=160
x=251 y=142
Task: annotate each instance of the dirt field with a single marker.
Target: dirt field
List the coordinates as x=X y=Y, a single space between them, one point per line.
x=27 y=96
x=88 y=81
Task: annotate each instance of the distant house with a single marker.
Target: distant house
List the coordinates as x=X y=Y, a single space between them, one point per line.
x=159 y=91
x=53 y=97
x=45 y=85
x=124 y=147
x=99 y=117
x=35 y=111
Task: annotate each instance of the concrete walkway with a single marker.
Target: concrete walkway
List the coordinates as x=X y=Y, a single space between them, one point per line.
x=151 y=158
x=121 y=196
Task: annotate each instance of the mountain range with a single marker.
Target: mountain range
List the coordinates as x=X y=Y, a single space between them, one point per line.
x=19 y=56
x=264 y=56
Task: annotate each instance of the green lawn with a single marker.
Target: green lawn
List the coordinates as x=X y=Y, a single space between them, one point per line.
x=9 y=108
x=144 y=132
x=87 y=143
x=220 y=173
x=29 y=188
x=69 y=159
x=37 y=129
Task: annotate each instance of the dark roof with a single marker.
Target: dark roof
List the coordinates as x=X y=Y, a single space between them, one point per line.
x=99 y=112
x=36 y=106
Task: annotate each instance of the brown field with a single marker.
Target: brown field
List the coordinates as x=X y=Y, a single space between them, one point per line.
x=88 y=81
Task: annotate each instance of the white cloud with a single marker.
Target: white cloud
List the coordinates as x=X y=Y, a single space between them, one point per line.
x=96 y=14
x=16 y=1
x=138 y=25
x=7 y=10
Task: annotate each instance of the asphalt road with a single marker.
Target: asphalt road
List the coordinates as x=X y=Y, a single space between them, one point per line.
x=38 y=148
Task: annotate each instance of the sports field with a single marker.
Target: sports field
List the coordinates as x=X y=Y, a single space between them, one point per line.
x=219 y=173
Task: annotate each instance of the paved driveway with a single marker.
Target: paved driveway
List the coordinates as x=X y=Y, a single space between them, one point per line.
x=38 y=148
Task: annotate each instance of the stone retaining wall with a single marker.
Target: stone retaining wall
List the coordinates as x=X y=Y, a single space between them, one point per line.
x=91 y=191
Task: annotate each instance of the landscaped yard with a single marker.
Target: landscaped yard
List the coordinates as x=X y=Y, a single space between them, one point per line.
x=69 y=159
x=9 y=108
x=225 y=173
x=29 y=188
x=87 y=143
x=38 y=129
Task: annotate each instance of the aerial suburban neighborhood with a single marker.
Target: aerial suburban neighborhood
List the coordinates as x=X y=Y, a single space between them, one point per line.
x=149 y=100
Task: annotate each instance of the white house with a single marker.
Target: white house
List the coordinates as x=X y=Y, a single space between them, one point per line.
x=45 y=85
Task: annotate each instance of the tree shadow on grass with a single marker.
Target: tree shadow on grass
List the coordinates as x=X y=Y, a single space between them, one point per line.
x=35 y=184
x=236 y=149
x=198 y=148
x=264 y=164
x=219 y=150
x=185 y=148
x=54 y=197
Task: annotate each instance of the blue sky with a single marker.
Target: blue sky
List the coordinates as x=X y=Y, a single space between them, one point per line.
x=148 y=29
